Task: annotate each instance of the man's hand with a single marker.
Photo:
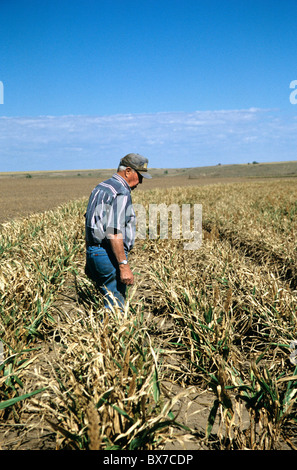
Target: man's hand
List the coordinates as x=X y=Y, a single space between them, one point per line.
x=126 y=275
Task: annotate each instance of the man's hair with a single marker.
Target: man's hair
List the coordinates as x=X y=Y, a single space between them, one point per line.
x=122 y=168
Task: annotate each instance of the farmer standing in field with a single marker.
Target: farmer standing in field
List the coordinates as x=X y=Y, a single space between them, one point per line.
x=111 y=227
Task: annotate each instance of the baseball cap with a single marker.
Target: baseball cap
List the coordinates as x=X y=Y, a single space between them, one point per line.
x=137 y=162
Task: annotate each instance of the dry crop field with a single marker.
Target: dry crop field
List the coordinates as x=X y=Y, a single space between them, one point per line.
x=201 y=358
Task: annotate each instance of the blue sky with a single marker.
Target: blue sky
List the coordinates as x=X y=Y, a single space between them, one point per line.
x=186 y=83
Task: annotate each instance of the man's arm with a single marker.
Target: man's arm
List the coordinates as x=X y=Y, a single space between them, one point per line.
x=117 y=246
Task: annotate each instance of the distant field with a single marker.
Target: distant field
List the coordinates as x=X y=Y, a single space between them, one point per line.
x=253 y=169
x=24 y=193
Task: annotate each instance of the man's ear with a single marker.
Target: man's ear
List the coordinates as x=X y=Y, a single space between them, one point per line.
x=128 y=171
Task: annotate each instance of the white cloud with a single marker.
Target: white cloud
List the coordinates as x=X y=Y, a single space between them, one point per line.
x=171 y=139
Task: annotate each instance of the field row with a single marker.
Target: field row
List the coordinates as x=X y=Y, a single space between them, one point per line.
x=259 y=218
x=220 y=318
x=233 y=304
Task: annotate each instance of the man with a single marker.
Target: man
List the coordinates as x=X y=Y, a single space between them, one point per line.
x=110 y=229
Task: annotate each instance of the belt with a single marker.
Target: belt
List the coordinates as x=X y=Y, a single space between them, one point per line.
x=103 y=244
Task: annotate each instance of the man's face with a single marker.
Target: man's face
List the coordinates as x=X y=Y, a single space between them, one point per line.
x=133 y=178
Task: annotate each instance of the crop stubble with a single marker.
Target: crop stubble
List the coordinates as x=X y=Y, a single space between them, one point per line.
x=223 y=315
x=21 y=196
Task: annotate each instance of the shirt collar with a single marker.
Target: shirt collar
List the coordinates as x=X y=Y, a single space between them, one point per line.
x=122 y=180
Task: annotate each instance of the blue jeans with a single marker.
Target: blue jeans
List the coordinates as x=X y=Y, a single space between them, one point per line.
x=102 y=268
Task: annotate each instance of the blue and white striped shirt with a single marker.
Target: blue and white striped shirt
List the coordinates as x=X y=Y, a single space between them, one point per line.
x=110 y=209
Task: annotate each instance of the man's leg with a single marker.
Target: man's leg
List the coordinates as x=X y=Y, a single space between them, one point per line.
x=102 y=268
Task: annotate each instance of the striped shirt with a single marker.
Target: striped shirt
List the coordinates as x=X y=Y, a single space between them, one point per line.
x=110 y=209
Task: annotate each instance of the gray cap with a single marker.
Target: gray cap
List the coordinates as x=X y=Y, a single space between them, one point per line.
x=137 y=162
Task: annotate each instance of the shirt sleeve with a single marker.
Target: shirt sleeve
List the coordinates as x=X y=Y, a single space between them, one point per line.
x=116 y=215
